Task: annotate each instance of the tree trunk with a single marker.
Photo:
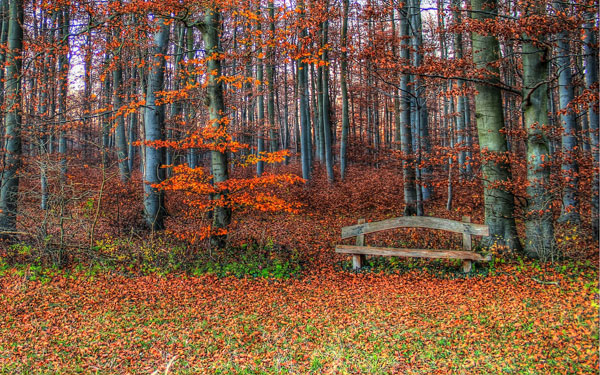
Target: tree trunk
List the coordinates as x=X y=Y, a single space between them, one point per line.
x=9 y=191
x=539 y=229
x=302 y=75
x=569 y=168
x=216 y=109
x=260 y=166
x=499 y=200
x=325 y=112
x=133 y=122
x=63 y=73
x=408 y=167
x=421 y=106
x=344 y=88
x=590 y=50
x=118 y=94
x=273 y=145
x=154 y=130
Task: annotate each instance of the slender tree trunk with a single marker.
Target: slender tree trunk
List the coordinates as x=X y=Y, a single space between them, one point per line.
x=305 y=144
x=590 y=49
x=539 y=229
x=106 y=87
x=192 y=154
x=408 y=167
x=273 y=145
x=63 y=73
x=9 y=191
x=260 y=166
x=451 y=131
x=154 y=124
x=421 y=106
x=344 y=88
x=317 y=114
x=177 y=106
x=118 y=94
x=3 y=41
x=216 y=109
x=499 y=200
x=569 y=168
x=460 y=119
x=43 y=114
x=133 y=122
x=325 y=95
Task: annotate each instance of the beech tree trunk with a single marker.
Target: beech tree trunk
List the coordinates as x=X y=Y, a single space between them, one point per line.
x=325 y=112
x=421 y=106
x=539 y=229
x=408 y=167
x=302 y=75
x=570 y=168
x=590 y=49
x=260 y=149
x=154 y=130
x=344 y=88
x=118 y=94
x=273 y=142
x=63 y=74
x=9 y=191
x=499 y=200
x=216 y=109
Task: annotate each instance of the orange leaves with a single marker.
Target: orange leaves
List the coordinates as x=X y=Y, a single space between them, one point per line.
x=267 y=157
x=336 y=321
x=202 y=195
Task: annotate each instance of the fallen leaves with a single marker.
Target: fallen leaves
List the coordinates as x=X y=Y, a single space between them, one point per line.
x=327 y=322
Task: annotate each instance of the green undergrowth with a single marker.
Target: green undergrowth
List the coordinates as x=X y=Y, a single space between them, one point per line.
x=452 y=268
x=251 y=260
x=156 y=257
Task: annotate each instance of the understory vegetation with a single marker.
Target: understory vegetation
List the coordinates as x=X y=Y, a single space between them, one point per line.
x=281 y=301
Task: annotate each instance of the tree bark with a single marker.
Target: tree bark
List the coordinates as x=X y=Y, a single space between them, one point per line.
x=118 y=94
x=9 y=191
x=570 y=167
x=302 y=75
x=260 y=149
x=408 y=167
x=325 y=112
x=539 y=229
x=216 y=109
x=590 y=50
x=154 y=130
x=63 y=74
x=344 y=88
x=499 y=200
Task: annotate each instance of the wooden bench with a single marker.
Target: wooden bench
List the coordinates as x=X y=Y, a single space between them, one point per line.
x=465 y=227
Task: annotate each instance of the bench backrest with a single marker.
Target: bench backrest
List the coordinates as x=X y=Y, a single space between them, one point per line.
x=464 y=227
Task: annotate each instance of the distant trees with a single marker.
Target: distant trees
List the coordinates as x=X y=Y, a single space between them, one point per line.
x=250 y=83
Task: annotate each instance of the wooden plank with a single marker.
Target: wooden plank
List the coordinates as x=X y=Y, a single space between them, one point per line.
x=414 y=253
x=359 y=259
x=416 y=222
x=467 y=242
x=466 y=266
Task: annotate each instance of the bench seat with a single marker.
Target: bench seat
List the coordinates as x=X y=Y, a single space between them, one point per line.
x=414 y=253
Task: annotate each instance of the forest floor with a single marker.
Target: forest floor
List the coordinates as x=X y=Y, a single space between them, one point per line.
x=405 y=317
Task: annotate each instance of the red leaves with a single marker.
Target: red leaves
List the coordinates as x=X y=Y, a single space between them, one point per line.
x=414 y=323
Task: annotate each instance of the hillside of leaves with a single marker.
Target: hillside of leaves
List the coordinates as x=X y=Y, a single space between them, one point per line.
x=135 y=304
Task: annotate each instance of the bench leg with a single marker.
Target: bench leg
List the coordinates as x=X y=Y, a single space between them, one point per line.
x=357 y=261
x=467 y=264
